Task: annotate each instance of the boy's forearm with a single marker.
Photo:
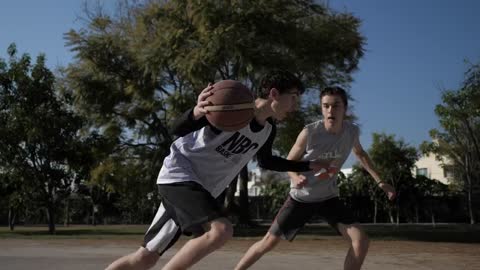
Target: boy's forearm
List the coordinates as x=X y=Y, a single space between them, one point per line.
x=187 y=123
x=292 y=174
x=367 y=164
x=279 y=164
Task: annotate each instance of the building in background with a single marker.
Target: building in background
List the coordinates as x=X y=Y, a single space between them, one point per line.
x=432 y=168
x=257 y=178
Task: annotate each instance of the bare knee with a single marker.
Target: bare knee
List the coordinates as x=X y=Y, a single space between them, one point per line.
x=141 y=259
x=361 y=244
x=145 y=259
x=268 y=242
x=219 y=233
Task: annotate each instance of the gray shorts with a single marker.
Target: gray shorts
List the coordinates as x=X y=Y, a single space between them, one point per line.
x=294 y=214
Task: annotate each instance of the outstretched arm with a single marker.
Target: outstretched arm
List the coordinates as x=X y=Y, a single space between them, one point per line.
x=275 y=163
x=367 y=164
x=296 y=153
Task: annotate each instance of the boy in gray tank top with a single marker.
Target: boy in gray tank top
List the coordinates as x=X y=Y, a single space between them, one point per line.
x=329 y=141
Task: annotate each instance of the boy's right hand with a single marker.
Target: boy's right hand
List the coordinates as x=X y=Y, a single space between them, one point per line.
x=324 y=174
x=199 y=111
x=299 y=180
x=317 y=166
x=323 y=169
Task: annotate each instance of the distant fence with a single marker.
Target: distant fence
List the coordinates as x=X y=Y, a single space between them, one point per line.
x=451 y=209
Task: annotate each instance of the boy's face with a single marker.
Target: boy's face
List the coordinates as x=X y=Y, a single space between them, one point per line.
x=285 y=103
x=333 y=111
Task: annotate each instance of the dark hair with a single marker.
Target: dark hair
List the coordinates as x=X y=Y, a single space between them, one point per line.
x=335 y=90
x=281 y=80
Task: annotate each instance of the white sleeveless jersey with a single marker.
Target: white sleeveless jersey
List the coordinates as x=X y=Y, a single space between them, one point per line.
x=210 y=159
x=324 y=146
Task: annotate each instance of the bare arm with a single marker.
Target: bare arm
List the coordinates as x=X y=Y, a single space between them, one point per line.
x=295 y=154
x=367 y=164
x=365 y=160
x=268 y=161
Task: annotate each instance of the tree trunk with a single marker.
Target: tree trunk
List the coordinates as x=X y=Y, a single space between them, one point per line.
x=66 y=221
x=244 y=213
x=390 y=215
x=230 y=197
x=470 y=208
x=471 y=213
x=397 y=208
x=11 y=218
x=417 y=217
x=375 y=211
x=51 y=219
x=94 y=215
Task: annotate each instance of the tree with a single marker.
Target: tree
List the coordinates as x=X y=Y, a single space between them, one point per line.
x=139 y=68
x=459 y=139
x=361 y=185
x=394 y=160
x=39 y=140
x=423 y=193
x=13 y=194
x=275 y=192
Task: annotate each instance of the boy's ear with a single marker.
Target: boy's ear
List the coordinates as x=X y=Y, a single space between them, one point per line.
x=274 y=93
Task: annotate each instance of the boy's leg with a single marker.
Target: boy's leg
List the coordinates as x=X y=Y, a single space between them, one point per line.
x=218 y=232
x=341 y=218
x=358 y=245
x=141 y=259
x=161 y=235
x=289 y=220
x=257 y=250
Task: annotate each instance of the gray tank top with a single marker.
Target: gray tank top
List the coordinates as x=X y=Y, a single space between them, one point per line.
x=332 y=148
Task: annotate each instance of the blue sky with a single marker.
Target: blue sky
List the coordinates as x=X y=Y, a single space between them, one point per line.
x=414 y=50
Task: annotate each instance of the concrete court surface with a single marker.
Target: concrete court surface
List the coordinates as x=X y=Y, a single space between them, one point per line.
x=301 y=254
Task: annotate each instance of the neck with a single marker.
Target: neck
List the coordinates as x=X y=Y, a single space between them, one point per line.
x=263 y=110
x=334 y=129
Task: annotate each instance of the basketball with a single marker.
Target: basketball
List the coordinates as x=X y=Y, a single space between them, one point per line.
x=232 y=105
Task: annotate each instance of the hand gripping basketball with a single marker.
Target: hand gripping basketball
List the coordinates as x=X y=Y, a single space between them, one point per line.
x=231 y=105
x=326 y=173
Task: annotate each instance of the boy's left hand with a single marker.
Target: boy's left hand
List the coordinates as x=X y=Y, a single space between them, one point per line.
x=389 y=190
x=327 y=173
x=317 y=165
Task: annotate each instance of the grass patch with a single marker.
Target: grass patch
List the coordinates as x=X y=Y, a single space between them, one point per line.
x=76 y=231
x=459 y=233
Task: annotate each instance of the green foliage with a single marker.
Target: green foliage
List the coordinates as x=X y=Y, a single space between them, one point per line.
x=39 y=144
x=275 y=193
x=459 y=142
x=152 y=59
x=288 y=131
x=394 y=161
x=136 y=70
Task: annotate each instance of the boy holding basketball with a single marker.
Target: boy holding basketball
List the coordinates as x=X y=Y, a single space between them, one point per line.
x=195 y=173
x=329 y=140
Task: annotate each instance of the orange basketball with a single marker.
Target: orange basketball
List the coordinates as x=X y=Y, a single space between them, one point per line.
x=232 y=105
